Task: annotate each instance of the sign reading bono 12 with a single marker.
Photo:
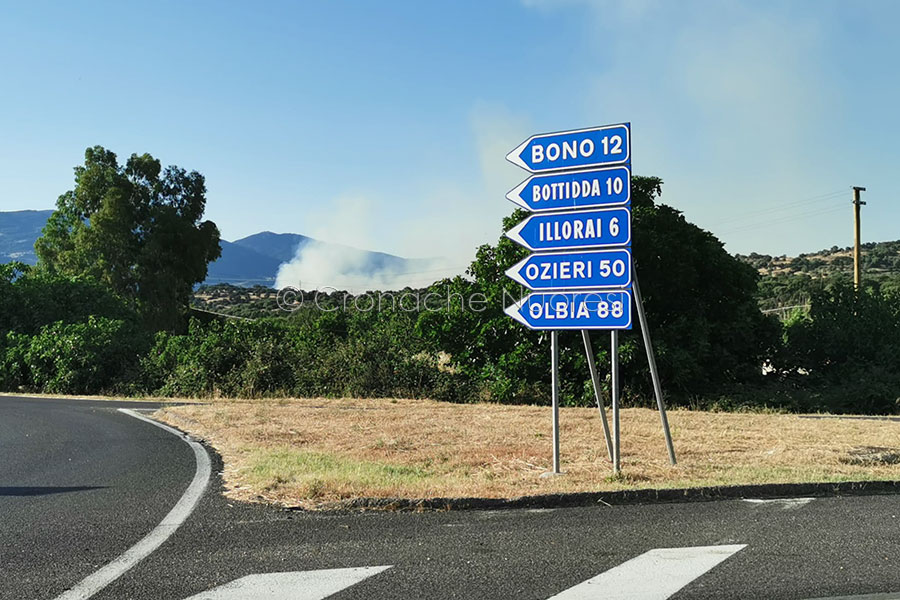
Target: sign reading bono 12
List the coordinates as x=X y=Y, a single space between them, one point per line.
x=578 y=207
x=578 y=149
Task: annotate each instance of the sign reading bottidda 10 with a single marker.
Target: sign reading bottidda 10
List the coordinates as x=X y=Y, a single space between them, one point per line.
x=579 y=189
x=578 y=149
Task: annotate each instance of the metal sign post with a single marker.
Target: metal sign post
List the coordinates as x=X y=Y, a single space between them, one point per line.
x=654 y=373
x=554 y=382
x=614 y=392
x=595 y=381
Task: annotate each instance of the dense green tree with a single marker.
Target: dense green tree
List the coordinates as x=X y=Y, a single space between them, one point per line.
x=700 y=301
x=31 y=298
x=136 y=228
x=845 y=354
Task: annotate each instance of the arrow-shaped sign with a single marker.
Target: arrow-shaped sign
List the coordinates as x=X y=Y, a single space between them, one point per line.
x=582 y=189
x=574 y=310
x=569 y=230
x=576 y=149
x=574 y=270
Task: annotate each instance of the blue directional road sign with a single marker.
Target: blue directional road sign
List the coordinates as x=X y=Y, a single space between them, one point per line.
x=578 y=149
x=569 y=230
x=581 y=189
x=590 y=270
x=574 y=310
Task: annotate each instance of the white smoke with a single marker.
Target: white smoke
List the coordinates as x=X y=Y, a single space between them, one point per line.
x=450 y=220
x=332 y=267
x=326 y=264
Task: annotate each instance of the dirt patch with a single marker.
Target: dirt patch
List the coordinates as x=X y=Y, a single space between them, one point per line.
x=872 y=456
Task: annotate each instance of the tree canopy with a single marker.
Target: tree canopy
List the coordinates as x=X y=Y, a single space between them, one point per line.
x=137 y=229
x=706 y=325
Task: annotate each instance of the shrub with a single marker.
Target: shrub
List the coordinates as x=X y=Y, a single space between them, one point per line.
x=90 y=357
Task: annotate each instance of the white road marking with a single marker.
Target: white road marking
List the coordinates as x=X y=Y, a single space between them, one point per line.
x=98 y=580
x=300 y=585
x=785 y=503
x=885 y=596
x=654 y=575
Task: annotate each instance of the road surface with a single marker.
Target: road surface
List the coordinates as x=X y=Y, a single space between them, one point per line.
x=81 y=483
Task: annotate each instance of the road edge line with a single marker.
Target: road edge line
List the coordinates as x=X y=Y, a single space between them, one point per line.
x=101 y=578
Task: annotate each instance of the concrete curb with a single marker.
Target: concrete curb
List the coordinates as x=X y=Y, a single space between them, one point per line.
x=624 y=497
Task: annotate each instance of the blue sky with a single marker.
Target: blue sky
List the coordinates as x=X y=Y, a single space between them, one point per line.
x=384 y=125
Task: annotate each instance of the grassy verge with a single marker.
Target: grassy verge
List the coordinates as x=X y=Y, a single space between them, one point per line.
x=313 y=452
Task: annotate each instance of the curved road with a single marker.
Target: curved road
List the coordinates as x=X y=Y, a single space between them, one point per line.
x=80 y=483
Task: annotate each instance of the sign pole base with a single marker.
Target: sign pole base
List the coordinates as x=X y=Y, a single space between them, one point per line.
x=595 y=380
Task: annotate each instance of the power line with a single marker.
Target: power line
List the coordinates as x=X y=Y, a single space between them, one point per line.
x=805 y=215
x=780 y=207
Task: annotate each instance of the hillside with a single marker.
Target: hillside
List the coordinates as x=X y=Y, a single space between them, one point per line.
x=878 y=258
x=787 y=283
x=250 y=261
x=18 y=231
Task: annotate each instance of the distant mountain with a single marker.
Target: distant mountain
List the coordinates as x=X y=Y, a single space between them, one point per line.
x=18 y=231
x=242 y=266
x=253 y=260
x=280 y=246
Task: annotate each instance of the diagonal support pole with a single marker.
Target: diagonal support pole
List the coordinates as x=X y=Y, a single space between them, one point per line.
x=595 y=380
x=651 y=358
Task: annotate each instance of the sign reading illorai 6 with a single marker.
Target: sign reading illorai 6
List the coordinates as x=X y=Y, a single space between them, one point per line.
x=578 y=207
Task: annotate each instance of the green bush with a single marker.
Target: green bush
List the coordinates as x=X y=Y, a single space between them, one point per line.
x=90 y=357
x=14 y=374
x=845 y=355
x=317 y=354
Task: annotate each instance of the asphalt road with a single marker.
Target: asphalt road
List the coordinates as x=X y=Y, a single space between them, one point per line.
x=80 y=483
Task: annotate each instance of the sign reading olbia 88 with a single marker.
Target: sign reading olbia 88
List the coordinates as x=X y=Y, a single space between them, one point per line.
x=578 y=149
x=574 y=310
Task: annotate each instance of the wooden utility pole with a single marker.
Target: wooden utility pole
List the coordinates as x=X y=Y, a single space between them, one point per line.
x=857 y=279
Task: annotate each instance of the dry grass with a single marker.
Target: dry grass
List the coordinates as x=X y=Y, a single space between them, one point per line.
x=311 y=452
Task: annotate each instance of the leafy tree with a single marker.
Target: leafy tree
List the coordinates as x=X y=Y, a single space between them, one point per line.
x=700 y=301
x=135 y=228
x=31 y=298
x=845 y=351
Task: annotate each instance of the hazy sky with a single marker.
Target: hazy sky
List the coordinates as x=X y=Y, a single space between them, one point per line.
x=384 y=124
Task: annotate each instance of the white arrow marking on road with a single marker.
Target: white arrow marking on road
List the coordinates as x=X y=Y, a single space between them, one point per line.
x=654 y=575
x=299 y=585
